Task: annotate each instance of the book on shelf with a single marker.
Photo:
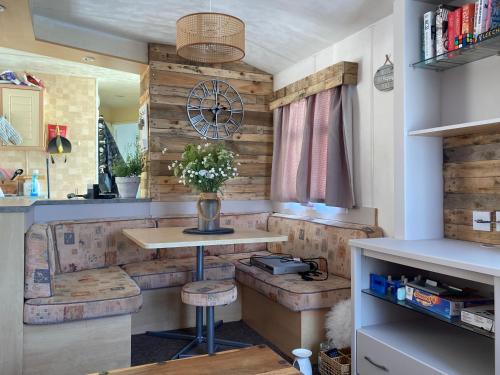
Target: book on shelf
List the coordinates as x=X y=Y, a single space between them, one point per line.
x=480 y=16
x=487 y=17
x=457 y=24
x=429 y=35
x=495 y=14
x=442 y=28
x=468 y=18
x=451 y=31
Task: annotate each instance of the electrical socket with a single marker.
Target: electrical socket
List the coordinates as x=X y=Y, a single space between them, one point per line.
x=481 y=216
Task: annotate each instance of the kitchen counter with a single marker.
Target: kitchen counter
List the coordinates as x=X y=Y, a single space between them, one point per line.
x=24 y=204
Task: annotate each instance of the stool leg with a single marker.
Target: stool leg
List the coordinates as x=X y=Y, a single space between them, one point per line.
x=210 y=330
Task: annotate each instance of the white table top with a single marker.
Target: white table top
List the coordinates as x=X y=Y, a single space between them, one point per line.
x=164 y=238
x=470 y=256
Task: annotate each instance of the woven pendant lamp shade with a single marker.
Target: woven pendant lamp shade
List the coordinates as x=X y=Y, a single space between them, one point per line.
x=210 y=37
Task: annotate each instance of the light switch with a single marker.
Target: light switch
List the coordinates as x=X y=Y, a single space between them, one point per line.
x=497 y=219
x=481 y=220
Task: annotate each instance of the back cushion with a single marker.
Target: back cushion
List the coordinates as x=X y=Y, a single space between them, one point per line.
x=309 y=239
x=242 y=221
x=39 y=266
x=88 y=245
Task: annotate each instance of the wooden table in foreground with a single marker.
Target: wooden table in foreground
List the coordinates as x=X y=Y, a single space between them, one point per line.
x=256 y=360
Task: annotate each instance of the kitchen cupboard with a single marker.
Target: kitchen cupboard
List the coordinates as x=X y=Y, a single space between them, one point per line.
x=23 y=107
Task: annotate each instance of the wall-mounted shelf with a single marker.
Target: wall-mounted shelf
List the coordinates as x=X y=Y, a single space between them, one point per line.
x=475 y=127
x=488 y=45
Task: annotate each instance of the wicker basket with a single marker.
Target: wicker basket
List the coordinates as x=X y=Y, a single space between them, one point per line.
x=340 y=365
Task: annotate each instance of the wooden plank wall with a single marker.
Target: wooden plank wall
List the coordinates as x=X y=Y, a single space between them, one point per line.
x=471 y=182
x=166 y=86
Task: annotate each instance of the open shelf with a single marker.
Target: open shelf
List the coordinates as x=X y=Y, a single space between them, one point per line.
x=489 y=46
x=475 y=127
x=446 y=350
x=455 y=322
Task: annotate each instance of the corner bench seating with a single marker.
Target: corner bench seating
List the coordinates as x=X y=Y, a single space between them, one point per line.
x=76 y=272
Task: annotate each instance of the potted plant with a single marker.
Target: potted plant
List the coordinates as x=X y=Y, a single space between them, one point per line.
x=128 y=173
x=205 y=168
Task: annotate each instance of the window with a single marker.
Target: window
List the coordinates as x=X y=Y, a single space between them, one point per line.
x=312 y=158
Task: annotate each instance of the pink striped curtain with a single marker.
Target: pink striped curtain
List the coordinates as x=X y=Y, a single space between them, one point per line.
x=312 y=159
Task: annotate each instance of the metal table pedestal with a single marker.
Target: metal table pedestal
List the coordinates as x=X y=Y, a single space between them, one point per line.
x=198 y=340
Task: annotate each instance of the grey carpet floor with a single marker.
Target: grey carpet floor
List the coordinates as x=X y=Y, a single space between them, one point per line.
x=150 y=349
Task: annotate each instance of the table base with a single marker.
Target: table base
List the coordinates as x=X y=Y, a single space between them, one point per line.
x=197 y=345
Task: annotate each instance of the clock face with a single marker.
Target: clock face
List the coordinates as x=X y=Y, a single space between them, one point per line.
x=215 y=109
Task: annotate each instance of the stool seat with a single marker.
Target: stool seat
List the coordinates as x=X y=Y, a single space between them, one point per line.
x=209 y=293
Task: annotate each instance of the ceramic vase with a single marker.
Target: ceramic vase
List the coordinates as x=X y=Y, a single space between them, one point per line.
x=301 y=360
x=128 y=186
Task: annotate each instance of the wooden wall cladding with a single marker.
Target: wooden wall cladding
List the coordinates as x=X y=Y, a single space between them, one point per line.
x=166 y=87
x=342 y=73
x=471 y=182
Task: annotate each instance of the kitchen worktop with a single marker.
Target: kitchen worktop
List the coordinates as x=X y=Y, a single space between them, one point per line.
x=24 y=204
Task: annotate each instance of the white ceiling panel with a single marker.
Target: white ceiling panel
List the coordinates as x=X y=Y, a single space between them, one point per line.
x=279 y=33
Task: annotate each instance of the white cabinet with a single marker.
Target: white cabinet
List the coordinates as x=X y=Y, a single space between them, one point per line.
x=391 y=337
x=23 y=108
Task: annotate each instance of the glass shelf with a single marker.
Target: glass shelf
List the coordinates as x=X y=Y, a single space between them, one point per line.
x=456 y=322
x=480 y=50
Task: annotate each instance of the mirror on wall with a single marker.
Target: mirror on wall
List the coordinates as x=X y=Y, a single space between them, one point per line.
x=81 y=102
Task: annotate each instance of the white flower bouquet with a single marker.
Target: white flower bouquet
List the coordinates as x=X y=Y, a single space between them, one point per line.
x=205 y=167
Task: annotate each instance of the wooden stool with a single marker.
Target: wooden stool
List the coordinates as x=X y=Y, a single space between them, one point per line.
x=209 y=293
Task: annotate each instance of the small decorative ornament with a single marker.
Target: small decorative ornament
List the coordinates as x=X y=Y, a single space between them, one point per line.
x=384 y=77
x=215 y=109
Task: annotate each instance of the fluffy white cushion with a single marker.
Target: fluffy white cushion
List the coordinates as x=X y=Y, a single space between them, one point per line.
x=339 y=324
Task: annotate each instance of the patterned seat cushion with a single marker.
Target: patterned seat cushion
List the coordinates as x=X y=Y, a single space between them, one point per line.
x=85 y=295
x=310 y=238
x=247 y=221
x=176 y=272
x=209 y=293
x=290 y=290
x=39 y=262
x=97 y=244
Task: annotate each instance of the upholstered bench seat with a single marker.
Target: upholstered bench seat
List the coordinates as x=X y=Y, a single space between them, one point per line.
x=168 y=273
x=85 y=294
x=290 y=290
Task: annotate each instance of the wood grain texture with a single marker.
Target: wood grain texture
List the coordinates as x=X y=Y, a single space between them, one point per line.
x=471 y=173
x=284 y=328
x=12 y=292
x=342 y=73
x=173 y=237
x=78 y=347
x=255 y=360
x=166 y=86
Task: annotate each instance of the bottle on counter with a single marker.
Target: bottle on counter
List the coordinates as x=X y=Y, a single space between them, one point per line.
x=32 y=187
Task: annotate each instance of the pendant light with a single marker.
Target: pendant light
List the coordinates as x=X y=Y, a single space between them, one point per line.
x=210 y=37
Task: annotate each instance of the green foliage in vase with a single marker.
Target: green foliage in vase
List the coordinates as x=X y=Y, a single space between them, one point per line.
x=133 y=164
x=205 y=167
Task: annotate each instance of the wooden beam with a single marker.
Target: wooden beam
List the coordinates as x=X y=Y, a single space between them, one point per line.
x=343 y=73
x=209 y=71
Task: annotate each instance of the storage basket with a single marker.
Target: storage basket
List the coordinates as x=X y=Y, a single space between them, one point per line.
x=340 y=365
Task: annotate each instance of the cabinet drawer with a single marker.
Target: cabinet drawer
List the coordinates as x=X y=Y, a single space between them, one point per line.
x=376 y=358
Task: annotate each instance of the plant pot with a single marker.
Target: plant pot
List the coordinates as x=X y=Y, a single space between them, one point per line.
x=127 y=186
x=208 y=212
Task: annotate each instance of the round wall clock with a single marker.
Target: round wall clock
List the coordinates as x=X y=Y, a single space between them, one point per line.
x=215 y=109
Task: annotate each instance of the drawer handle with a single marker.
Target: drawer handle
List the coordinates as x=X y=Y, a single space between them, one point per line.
x=371 y=362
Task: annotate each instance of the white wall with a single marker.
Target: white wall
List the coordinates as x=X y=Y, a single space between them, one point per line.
x=373 y=113
x=470 y=92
